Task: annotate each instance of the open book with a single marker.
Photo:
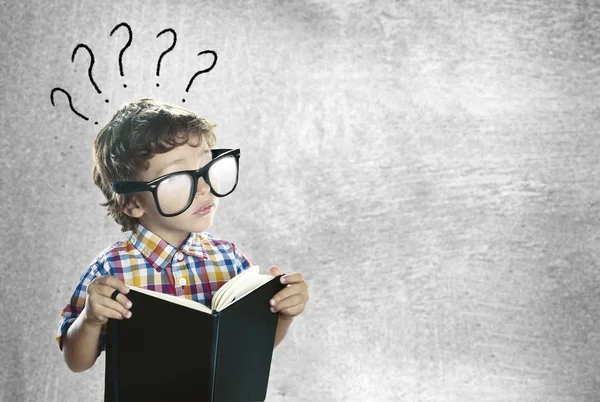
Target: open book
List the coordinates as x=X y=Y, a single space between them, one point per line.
x=175 y=349
x=234 y=289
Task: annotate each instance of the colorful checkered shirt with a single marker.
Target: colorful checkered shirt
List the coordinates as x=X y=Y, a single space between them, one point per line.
x=196 y=271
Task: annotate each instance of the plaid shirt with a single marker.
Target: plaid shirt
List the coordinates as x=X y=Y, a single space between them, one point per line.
x=196 y=271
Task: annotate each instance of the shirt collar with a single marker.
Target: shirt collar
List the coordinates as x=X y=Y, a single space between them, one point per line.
x=159 y=252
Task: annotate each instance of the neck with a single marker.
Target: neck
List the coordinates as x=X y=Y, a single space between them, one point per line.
x=175 y=238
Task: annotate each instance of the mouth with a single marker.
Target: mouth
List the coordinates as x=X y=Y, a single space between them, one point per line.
x=204 y=209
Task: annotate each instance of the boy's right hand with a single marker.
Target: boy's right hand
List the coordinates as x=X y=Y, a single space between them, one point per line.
x=99 y=307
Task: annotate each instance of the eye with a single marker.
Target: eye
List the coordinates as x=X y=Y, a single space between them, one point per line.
x=174 y=179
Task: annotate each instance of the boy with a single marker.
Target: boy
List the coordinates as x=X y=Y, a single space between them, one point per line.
x=168 y=249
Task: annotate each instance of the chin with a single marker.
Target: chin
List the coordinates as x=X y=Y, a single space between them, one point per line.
x=201 y=224
x=204 y=228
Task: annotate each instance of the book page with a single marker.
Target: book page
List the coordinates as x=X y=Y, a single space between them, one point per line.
x=241 y=289
x=253 y=270
x=173 y=299
x=226 y=295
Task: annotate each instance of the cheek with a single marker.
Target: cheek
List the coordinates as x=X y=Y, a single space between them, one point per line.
x=146 y=201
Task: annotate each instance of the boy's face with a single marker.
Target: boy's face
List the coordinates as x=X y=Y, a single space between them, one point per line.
x=198 y=217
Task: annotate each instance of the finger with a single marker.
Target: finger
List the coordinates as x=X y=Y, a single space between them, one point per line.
x=292 y=311
x=111 y=284
x=275 y=271
x=110 y=304
x=107 y=291
x=104 y=313
x=295 y=300
x=100 y=296
x=289 y=291
x=114 y=283
x=107 y=285
x=294 y=277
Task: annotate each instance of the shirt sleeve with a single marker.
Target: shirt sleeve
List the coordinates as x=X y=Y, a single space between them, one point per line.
x=242 y=262
x=70 y=313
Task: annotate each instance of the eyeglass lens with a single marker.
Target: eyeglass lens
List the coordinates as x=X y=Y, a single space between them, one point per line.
x=174 y=193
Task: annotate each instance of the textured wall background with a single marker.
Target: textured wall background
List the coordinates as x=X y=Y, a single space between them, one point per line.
x=431 y=167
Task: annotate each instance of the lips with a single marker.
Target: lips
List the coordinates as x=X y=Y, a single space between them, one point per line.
x=204 y=208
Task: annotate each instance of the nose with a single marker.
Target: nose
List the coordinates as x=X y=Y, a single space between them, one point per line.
x=202 y=187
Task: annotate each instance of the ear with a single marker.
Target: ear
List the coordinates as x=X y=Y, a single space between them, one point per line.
x=133 y=208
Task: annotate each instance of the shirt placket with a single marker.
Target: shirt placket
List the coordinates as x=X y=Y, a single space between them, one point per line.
x=179 y=271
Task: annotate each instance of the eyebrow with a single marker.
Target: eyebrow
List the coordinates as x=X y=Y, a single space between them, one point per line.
x=160 y=173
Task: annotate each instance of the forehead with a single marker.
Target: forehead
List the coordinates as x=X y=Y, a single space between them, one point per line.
x=188 y=152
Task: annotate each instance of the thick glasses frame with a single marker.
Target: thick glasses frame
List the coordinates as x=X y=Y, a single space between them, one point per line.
x=127 y=187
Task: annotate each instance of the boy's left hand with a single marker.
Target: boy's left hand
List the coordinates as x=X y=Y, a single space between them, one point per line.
x=289 y=302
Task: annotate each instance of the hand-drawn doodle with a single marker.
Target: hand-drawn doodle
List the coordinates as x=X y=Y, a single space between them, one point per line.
x=70 y=102
x=187 y=89
x=166 y=51
x=127 y=45
x=126 y=25
x=92 y=61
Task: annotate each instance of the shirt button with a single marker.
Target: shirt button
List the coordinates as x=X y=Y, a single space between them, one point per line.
x=179 y=255
x=182 y=281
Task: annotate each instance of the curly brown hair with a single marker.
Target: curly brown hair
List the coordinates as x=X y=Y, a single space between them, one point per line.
x=136 y=132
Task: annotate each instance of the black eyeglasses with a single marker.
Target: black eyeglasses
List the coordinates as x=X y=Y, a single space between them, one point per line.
x=174 y=192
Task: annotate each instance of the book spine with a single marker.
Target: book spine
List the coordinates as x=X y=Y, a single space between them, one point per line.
x=215 y=347
x=115 y=354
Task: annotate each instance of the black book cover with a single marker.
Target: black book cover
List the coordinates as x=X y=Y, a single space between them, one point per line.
x=168 y=352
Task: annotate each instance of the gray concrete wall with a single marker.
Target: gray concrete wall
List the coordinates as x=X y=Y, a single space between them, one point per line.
x=431 y=167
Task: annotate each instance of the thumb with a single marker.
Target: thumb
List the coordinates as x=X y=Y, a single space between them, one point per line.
x=275 y=271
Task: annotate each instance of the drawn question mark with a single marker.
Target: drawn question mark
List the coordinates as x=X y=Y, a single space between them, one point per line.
x=126 y=25
x=86 y=47
x=166 y=51
x=70 y=102
x=202 y=71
